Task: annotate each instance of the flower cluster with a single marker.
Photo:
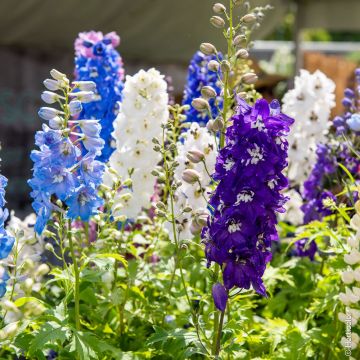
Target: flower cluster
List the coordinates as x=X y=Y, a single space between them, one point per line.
x=30 y=270
x=351 y=279
x=6 y=240
x=350 y=120
x=196 y=151
x=144 y=109
x=317 y=188
x=249 y=170
x=97 y=60
x=310 y=103
x=200 y=75
x=64 y=177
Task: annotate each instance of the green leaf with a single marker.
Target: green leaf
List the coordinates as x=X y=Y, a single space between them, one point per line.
x=81 y=347
x=50 y=332
x=117 y=257
x=24 y=300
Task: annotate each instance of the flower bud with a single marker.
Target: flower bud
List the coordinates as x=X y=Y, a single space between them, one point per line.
x=200 y=104
x=239 y=40
x=217 y=21
x=213 y=65
x=75 y=107
x=195 y=228
x=49 y=247
x=195 y=156
x=237 y=2
x=48 y=113
x=218 y=124
x=56 y=122
x=249 y=78
x=248 y=18
x=84 y=96
x=187 y=209
x=160 y=205
x=207 y=49
x=127 y=182
x=57 y=75
x=241 y=95
x=190 y=176
x=225 y=66
x=51 y=84
x=85 y=85
x=242 y=54
x=208 y=92
x=28 y=284
x=210 y=125
x=219 y=8
x=42 y=270
x=49 y=97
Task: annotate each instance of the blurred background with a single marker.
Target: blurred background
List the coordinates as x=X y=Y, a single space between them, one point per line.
x=38 y=35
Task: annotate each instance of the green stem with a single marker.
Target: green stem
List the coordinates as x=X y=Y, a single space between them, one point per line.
x=218 y=337
x=77 y=278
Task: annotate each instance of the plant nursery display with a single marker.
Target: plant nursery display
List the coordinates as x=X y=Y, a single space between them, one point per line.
x=222 y=227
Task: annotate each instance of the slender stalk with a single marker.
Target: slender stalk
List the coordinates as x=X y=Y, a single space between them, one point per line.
x=219 y=318
x=77 y=279
x=218 y=337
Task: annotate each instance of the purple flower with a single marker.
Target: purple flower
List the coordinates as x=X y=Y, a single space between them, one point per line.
x=249 y=171
x=220 y=296
x=303 y=248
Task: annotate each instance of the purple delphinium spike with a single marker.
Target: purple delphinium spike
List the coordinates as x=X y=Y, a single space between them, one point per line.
x=249 y=171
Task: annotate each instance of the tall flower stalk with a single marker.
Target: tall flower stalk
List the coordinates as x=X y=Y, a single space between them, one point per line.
x=235 y=77
x=65 y=178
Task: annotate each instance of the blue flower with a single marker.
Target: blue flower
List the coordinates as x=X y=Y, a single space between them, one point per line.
x=97 y=60
x=83 y=203
x=6 y=241
x=198 y=76
x=354 y=122
x=64 y=166
x=4 y=277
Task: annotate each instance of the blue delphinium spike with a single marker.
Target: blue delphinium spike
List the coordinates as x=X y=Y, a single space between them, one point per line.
x=198 y=76
x=97 y=60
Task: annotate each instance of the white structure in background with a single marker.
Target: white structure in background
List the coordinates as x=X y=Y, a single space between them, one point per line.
x=310 y=104
x=144 y=108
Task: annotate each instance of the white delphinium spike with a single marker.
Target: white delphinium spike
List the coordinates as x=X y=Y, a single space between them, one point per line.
x=196 y=141
x=310 y=103
x=143 y=110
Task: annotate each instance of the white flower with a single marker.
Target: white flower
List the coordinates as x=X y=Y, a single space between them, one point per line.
x=293 y=213
x=348 y=297
x=352 y=258
x=310 y=104
x=143 y=109
x=350 y=343
x=195 y=139
x=347 y=277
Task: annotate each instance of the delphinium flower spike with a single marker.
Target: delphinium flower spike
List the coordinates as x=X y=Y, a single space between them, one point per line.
x=6 y=240
x=143 y=111
x=97 y=61
x=65 y=179
x=249 y=170
x=201 y=78
x=310 y=103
